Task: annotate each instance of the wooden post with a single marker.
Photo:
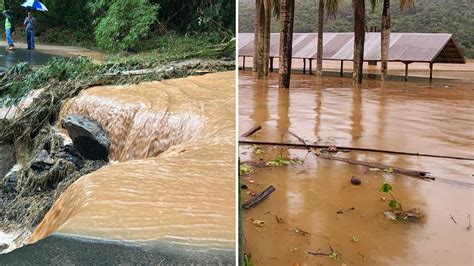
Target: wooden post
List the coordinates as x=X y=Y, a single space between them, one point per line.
x=304 y=65
x=342 y=68
x=431 y=72
x=243 y=64
x=406 y=71
x=310 y=66
x=271 y=64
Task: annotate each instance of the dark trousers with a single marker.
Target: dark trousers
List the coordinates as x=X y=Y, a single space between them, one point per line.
x=30 y=39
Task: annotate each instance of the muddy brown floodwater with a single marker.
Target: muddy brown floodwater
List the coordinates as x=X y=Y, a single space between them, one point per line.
x=411 y=117
x=173 y=179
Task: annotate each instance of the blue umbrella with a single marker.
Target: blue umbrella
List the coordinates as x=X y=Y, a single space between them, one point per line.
x=35 y=4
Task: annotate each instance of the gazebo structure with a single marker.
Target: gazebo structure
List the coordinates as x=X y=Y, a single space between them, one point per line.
x=406 y=48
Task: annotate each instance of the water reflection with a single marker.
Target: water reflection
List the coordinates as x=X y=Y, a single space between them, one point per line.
x=10 y=58
x=408 y=117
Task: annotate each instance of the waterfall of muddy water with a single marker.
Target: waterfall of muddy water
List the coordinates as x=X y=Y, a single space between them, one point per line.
x=174 y=179
x=414 y=117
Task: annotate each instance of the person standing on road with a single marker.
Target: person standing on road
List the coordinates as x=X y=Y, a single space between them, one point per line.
x=9 y=29
x=30 y=24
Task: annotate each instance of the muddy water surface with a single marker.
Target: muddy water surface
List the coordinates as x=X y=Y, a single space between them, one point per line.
x=174 y=176
x=413 y=117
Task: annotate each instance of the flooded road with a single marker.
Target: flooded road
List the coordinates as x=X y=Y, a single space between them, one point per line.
x=409 y=117
x=173 y=179
x=11 y=58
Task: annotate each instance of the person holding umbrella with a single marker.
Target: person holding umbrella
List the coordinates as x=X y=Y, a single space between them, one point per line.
x=9 y=29
x=30 y=24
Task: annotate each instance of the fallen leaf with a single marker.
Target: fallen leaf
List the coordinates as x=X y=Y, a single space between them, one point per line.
x=279 y=219
x=258 y=223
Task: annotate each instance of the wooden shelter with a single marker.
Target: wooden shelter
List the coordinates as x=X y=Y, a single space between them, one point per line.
x=407 y=48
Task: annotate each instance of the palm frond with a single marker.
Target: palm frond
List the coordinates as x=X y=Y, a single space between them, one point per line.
x=276 y=8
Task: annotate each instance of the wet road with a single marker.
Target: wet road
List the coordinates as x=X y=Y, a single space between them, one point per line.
x=10 y=58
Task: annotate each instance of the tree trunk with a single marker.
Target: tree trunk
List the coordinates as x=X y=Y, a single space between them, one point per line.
x=385 y=38
x=287 y=10
x=261 y=41
x=266 y=48
x=319 y=58
x=255 y=35
x=359 y=39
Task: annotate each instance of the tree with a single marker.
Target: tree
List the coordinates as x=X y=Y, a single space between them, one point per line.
x=385 y=38
x=262 y=35
x=256 y=56
x=267 y=33
x=359 y=39
x=319 y=55
x=287 y=12
x=332 y=7
x=126 y=22
x=385 y=31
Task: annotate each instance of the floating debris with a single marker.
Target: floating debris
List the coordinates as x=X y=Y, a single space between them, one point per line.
x=258 y=223
x=356 y=181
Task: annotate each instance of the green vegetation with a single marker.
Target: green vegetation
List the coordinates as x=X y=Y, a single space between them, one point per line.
x=248 y=259
x=456 y=17
x=257 y=149
x=245 y=169
x=393 y=203
x=127 y=25
x=280 y=161
x=124 y=24
x=20 y=79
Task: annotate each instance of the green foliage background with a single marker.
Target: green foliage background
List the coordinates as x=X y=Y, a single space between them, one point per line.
x=456 y=17
x=127 y=24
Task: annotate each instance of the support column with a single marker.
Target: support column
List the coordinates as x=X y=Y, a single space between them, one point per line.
x=243 y=64
x=310 y=66
x=406 y=71
x=342 y=68
x=271 y=64
x=431 y=72
x=304 y=65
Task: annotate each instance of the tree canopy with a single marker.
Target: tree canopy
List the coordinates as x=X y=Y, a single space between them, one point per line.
x=126 y=24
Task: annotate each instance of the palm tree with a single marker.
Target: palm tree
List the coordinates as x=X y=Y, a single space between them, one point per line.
x=256 y=58
x=385 y=33
x=266 y=46
x=287 y=15
x=385 y=38
x=259 y=62
x=263 y=17
x=359 y=39
x=332 y=7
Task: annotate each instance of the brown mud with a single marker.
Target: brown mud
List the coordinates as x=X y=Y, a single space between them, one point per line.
x=315 y=198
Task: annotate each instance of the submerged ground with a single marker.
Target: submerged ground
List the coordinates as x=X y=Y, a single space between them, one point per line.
x=315 y=205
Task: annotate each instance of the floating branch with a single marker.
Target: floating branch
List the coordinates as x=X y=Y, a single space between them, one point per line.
x=259 y=198
x=305 y=145
x=251 y=131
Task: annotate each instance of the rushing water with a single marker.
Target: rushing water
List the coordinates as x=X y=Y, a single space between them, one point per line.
x=412 y=117
x=173 y=179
